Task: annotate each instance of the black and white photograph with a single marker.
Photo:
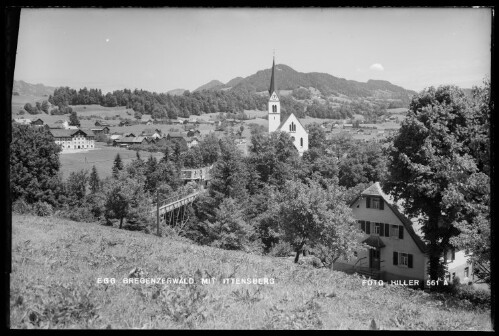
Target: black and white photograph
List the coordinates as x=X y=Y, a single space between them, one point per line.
x=250 y=168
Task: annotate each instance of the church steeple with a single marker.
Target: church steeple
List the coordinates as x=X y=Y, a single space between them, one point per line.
x=272 y=85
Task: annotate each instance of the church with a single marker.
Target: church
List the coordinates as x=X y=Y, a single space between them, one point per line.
x=290 y=125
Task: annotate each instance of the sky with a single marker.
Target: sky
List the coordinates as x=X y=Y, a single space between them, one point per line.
x=162 y=49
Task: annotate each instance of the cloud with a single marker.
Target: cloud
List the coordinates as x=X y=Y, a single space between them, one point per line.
x=377 y=67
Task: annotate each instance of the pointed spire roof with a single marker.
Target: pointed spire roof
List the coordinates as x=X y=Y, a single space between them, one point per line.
x=272 y=85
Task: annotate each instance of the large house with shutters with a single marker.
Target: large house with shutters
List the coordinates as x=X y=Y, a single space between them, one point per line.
x=394 y=250
x=291 y=124
x=71 y=140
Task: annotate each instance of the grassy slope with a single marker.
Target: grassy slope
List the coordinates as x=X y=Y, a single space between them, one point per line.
x=60 y=260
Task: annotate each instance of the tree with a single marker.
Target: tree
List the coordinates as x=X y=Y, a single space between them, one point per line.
x=73 y=119
x=365 y=162
x=125 y=199
x=45 y=106
x=274 y=157
x=468 y=198
x=210 y=149
x=316 y=136
x=94 y=181
x=429 y=157
x=230 y=231
x=29 y=108
x=117 y=165
x=318 y=217
x=76 y=187
x=34 y=165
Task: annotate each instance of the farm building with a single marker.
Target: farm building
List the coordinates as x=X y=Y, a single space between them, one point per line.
x=101 y=130
x=100 y=123
x=150 y=132
x=146 y=119
x=37 y=122
x=193 y=132
x=129 y=141
x=23 y=121
x=70 y=139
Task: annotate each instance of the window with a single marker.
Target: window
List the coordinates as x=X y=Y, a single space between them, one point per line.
x=274 y=108
x=377 y=228
x=394 y=232
x=375 y=203
x=403 y=259
x=301 y=142
x=466 y=272
x=453 y=275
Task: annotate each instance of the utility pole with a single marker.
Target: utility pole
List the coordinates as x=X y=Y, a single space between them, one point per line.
x=157 y=211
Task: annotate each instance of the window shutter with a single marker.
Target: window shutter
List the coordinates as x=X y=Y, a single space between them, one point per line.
x=368 y=202
x=401 y=232
x=381 y=203
x=387 y=230
x=363 y=225
x=409 y=263
x=368 y=227
x=381 y=229
x=395 y=258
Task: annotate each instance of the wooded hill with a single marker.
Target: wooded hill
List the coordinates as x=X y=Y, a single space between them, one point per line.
x=328 y=85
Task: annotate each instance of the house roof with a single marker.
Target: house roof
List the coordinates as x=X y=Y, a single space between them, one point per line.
x=375 y=190
x=292 y=114
x=175 y=135
x=64 y=133
x=131 y=139
x=146 y=117
x=374 y=241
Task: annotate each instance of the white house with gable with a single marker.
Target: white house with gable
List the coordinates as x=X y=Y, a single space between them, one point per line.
x=290 y=125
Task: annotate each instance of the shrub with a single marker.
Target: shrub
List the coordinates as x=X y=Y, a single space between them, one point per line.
x=21 y=207
x=475 y=295
x=42 y=209
x=281 y=249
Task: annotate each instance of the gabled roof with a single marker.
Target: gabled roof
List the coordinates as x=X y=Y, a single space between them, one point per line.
x=289 y=116
x=375 y=190
x=64 y=133
x=175 y=135
x=131 y=139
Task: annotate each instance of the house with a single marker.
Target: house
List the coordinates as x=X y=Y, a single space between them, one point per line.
x=37 y=122
x=101 y=130
x=70 y=139
x=395 y=251
x=115 y=136
x=192 y=119
x=129 y=141
x=191 y=142
x=150 y=132
x=146 y=119
x=193 y=132
x=176 y=121
x=291 y=125
x=200 y=175
x=23 y=121
x=178 y=137
x=124 y=123
x=100 y=123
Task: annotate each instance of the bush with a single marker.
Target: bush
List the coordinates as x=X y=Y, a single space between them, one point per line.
x=281 y=249
x=42 y=209
x=22 y=207
x=475 y=295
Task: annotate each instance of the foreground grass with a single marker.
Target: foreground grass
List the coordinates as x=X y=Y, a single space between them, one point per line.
x=56 y=264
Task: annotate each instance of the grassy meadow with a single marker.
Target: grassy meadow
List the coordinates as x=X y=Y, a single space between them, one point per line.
x=56 y=265
x=102 y=157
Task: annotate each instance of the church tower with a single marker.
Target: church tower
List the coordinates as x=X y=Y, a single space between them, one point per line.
x=274 y=106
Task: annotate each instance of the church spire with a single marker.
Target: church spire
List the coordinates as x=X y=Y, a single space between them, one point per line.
x=272 y=86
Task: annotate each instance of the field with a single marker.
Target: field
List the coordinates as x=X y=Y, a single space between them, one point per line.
x=56 y=265
x=102 y=157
